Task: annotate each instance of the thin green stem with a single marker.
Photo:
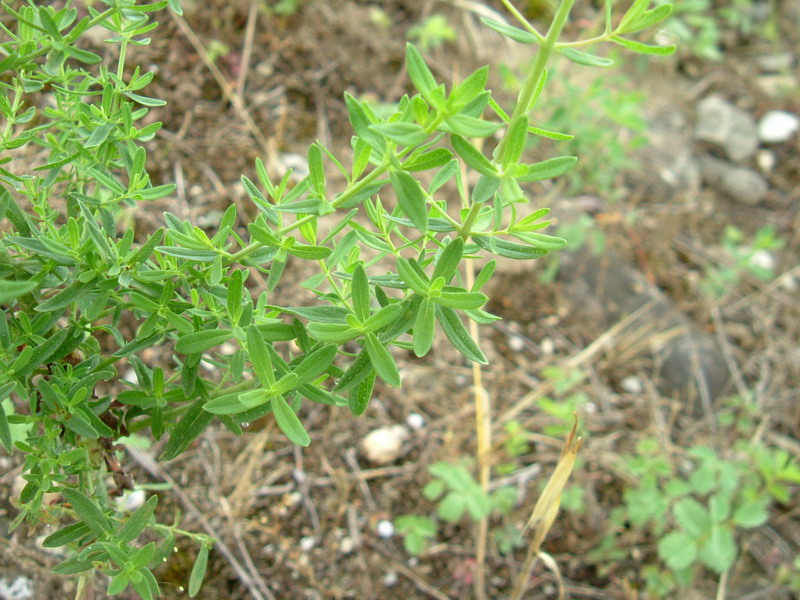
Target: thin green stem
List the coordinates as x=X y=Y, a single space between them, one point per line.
x=522 y=20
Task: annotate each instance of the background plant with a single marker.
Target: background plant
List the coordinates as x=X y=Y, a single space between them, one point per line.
x=83 y=294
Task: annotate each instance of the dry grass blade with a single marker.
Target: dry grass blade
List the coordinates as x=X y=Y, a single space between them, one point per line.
x=546 y=509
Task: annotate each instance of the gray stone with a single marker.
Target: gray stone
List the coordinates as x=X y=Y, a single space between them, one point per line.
x=737 y=183
x=775 y=63
x=727 y=127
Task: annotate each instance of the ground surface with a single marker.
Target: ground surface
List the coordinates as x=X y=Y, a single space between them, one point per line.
x=303 y=524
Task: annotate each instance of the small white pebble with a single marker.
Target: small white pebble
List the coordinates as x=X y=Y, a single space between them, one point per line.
x=763 y=259
x=384 y=445
x=632 y=385
x=228 y=348
x=548 y=346
x=346 y=546
x=765 y=160
x=390 y=579
x=385 y=529
x=21 y=588
x=777 y=126
x=196 y=190
x=516 y=343
x=590 y=408
x=415 y=421
x=307 y=543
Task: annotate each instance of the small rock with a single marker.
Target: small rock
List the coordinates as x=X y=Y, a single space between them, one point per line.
x=18 y=588
x=548 y=346
x=385 y=445
x=415 y=421
x=130 y=501
x=516 y=343
x=728 y=127
x=632 y=385
x=385 y=529
x=765 y=160
x=777 y=85
x=390 y=579
x=738 y=183
x=346 y=546
x=775 y=63
x=777 y=126
x=307 y=543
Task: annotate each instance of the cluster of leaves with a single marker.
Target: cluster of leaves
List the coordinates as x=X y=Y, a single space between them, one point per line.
x=82 y=294
x=696 y=511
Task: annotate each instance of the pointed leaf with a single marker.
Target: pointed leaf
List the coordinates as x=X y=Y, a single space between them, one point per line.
x=514 y=33
x=411 y=197
x=289 y=423
x=382 y=360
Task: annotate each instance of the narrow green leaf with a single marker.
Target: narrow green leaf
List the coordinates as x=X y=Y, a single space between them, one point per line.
x=260 y=356
x=87 y=510
x=411 y=198
x=514 y=142
x=428 y=160
x=361 y=394
x=508 y=249
x=541 y=240
x=9 y=290
x=418 y=72
x=203 y=256
x=383 y=317
x=316 y=169
x=136 y=523
x=411 y=277
x=355 y=373
x=289 y=423
x=484 y=275
x=314 y=364
x=548 y=169
x=405 y=134
x=471 y=127
x=66 y=296
x=424 y=327
x=461 y=300
x=641 y=48
x=448 y=260
x=360 y=293
x=67 y=534
x=235 y=296
x=198 y=571
x=485 y=189
x=514 y=33
x=5 y=430
x=192 y=424
x=466 y=91
x=382 y=360
x=472 y=156
x=458 y=335
x=360 y=122
x=648 y=19
x=584 y=58
x=231 y=404
x=200 y=341
x=336 y=333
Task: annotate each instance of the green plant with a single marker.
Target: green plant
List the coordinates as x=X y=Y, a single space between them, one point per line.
x=742 y=258
x=566 y=402
x=432 y=33
x=416 y=531
x=83 y=294
x=696 y=511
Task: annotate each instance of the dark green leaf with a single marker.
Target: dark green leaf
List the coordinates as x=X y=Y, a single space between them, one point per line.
x=508 y=249
x=192 y=424
x=87 y=510
x=428 y=160
x=313 y=365
x=64 y=536
x=66 y=296
x=316 y=170
x=458 y=335
x=199 y=341
x=411 y=277
x=136 y=523
x=448 y=260
x=259 y=356
x=360 y=293
x=307 y=252
x=204 y=256
x=360 y=122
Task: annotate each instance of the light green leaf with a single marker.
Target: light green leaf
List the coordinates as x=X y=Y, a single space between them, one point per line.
x=136 y=523
x=411 y=197
x=424 y=327
x=259 y=355
x=514 y=33
x=289 y=423
x=547 y=169
x=677 y=550
x=418 y=72
x=382 y=361
x=641 y=48
x=88 y=510
x=584 y=58
x=692 y=516
x=458 y=335
x=360 y=293
x=472 y=156
x=405 y=134
x=198 y=571
x=471 y=127
x=428 y=160
x=719 y=550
